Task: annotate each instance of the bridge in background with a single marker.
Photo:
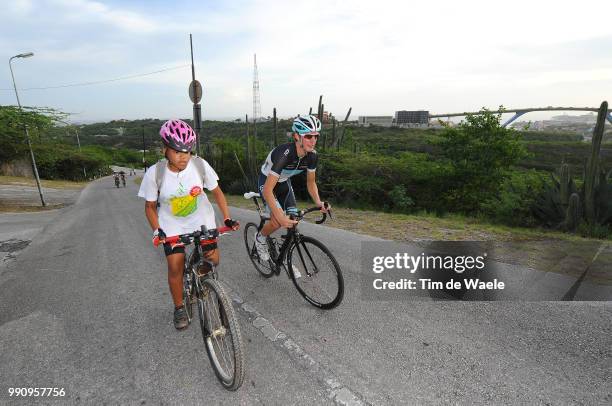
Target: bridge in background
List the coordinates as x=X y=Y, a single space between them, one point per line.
x=520 y=112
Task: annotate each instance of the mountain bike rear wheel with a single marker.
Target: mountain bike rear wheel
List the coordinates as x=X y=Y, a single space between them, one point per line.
x=221 y=333
x=315 y=273
x=265 y=268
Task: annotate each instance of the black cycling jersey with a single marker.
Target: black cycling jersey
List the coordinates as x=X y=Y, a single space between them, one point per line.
x=284 y=162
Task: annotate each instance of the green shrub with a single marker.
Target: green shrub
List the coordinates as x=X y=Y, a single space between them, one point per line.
x=517 y=194
x=400 y=200
x=480 y=151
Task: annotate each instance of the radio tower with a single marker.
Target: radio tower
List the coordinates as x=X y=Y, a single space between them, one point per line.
x=256 y=102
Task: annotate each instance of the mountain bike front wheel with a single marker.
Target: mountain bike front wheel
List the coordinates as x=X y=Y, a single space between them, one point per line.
x=221 y=333
x=315 y=273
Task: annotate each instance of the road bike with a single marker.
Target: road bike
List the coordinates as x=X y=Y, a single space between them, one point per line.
x=218 y=322
x=308 y=262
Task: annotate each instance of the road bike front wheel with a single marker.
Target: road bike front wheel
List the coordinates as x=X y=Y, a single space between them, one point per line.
x=315 y=273
x=265 y=268
x=221 y=333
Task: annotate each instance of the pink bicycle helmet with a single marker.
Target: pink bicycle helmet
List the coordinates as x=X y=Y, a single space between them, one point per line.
x=177 y=135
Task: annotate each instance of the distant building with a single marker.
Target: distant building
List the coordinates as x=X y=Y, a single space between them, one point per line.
x=582 y=119
x=383 y=121
x=409 y=118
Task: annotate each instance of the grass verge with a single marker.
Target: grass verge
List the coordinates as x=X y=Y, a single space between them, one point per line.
x=53 y=184
x=533 y=248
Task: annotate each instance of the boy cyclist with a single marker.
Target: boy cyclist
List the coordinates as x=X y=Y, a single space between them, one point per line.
x=184 y=206
x=282 y=163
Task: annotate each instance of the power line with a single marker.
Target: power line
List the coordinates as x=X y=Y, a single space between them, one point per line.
x=102 y=81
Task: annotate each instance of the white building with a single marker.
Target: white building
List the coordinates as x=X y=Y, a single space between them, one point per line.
x=383 y=121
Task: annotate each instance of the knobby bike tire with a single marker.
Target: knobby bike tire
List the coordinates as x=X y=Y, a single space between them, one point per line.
x=305 y=251
x=217 y=316
x=265 y=268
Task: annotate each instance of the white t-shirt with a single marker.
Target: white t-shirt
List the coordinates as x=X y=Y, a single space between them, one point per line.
x=182 y=209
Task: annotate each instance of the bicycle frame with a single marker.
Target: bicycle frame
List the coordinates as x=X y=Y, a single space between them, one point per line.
x=291 y=237
x=299 y=255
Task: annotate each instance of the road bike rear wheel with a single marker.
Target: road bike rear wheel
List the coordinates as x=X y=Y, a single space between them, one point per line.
x=265 y=268
x=221 y=333
x=319 y=278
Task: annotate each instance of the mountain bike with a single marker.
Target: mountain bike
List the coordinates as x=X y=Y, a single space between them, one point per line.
x=308 y=262
x=218 y=322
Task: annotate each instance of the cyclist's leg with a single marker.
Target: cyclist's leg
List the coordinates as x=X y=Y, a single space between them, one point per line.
x=270 y=225
x=284 y=196
x=176 y=262
x=289 y=205
x=212 y=256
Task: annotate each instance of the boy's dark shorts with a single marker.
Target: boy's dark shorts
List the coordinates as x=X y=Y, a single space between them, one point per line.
x=170 y=249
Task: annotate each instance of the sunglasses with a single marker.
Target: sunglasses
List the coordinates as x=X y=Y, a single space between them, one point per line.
x=309 y=136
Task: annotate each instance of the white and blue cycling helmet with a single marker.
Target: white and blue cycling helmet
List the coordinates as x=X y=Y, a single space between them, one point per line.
x=306 y=125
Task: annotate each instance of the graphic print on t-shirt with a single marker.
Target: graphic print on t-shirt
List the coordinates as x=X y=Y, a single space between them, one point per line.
x=182 y=205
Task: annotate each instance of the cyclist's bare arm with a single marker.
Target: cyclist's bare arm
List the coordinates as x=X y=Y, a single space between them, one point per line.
x=221 y=202
x=276 y=212
x=313 y=191
x=151 y=213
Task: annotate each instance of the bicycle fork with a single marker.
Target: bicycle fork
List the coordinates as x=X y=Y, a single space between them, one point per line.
x=213 y=323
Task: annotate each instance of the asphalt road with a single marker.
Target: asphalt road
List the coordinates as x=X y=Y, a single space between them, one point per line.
x=85 y=307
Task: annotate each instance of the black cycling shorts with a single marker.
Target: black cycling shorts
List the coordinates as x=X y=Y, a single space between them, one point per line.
x=283 y=192
x=170 y=249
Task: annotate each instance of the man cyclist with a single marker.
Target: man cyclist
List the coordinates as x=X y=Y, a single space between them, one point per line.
x=274 y=182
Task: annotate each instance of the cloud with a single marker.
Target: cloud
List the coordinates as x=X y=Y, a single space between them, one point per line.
x=375 y=56
x=93 y=11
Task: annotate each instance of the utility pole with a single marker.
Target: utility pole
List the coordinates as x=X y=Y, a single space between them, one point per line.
x=76 y=130
x=275 y=127
x=195 y=94
x=144 y=164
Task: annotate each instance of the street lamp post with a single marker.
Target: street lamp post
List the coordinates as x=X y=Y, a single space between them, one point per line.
x=40 y=192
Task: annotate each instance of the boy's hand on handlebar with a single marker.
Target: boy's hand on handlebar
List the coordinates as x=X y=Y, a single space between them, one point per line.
x=159 y=236
x=233 y=224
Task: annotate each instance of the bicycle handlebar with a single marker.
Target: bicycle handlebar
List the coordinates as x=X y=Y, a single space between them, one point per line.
x=204 y=235
x=304 y=212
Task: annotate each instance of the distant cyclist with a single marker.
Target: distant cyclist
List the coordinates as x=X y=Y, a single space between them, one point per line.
x=184 y=206
x=122 y=174
x=282 y=163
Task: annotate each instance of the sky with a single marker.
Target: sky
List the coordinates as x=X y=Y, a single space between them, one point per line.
x=374 y=56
